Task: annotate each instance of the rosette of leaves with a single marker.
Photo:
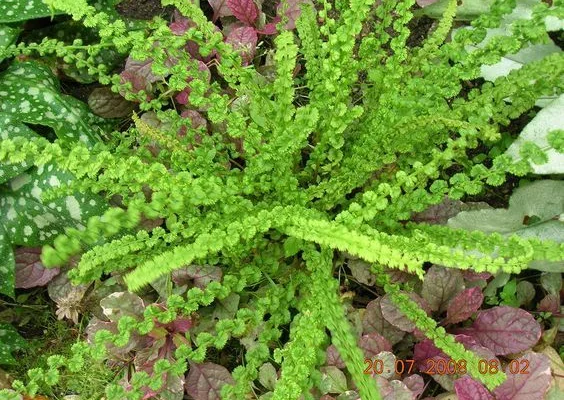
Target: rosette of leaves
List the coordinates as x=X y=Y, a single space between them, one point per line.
x=142 y=351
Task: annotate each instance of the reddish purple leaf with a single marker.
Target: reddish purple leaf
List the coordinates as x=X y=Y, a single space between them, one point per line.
x=293 y=11
x=244 y=39
x=472 y=276
x=550 y=303
x=30 y=272
x=140 y=75
x=220 y=9
x=467 y=388
x=415 y=383
x=506 y=330
x=245 y=11
x=374 y=321
x=463 y=305
x=532 y=385
x=270 y=28
x=201 y=275
x=334 y=358
x=204 y=381
x=394 y=316
x=440 y=286
x=374 y=343
x=424 y=351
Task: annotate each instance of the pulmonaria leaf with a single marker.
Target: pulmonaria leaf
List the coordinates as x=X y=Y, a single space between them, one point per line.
x=10 y=340
x=526 y=386
x=440 y=286
x=373 y=321
x=243 y=39
x=30 y=93
x=467 y=388
x=538 y=131
x=30 y=222
x=107 y=104
x=292 y=11
x=506 y=330
x=463 y=305
x=7 y=265
x=204 y=381
x=14 y=11
x=245 y=11
x=8 y=35
x=220 y=9
x=11 y=129
x=30 y=272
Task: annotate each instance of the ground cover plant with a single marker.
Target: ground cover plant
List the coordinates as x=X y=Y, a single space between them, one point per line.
x=299 y=200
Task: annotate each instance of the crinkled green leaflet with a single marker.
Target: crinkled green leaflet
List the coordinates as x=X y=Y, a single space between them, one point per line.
x=30 y=93
x=10 y=341
x=22 y=10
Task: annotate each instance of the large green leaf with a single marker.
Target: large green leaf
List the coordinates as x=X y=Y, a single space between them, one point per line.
x=548 y=121
x=30 y=222
x=467 y=11
x=8 y=35
x=7 y=265
x=10 y=340
x=535 y=211
x=22 y=10
x=30 y=93
x=10 y=129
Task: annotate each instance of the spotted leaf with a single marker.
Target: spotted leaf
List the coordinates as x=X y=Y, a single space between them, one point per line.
x=7 y=265
x=30 y=93
x=10 y=340
x=22 y=10
x=30 y=222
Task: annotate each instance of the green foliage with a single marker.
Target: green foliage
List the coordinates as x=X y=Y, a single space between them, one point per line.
x=281 y=176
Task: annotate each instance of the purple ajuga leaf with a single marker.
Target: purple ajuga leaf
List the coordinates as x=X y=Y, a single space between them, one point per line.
x=374 y=321
x=424 y=351
x=140 y=75
x=204 y=381
x=270 y=28
x=463 y=305
x=245 y=11
x=30 y=272
x=505 y=330
x=472 y=276
x=440 y=286
x=530 y=383
x=334 y=358
x=292 y=11
x=220 y=9
x=374 y=343
x=244 y=39
x=415 y=383
x=199 y=275
x=119 y=304
x=550 y=303
x=467 y=388
x=394 y=316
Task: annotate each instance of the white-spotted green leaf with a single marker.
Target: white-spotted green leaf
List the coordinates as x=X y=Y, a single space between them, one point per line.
x=7 y=265
x=534 y=211
x=467 y=11
x=8 y=36
x=9 y=130
x=30 y=222
x=22 y=10
x=10 y=340
x=30 y=93
x=548 y=120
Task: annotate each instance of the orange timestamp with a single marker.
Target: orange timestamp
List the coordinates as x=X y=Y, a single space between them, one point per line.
x=442 y=366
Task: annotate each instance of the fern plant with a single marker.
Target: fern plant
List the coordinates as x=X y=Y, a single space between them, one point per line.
x=289 y=170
